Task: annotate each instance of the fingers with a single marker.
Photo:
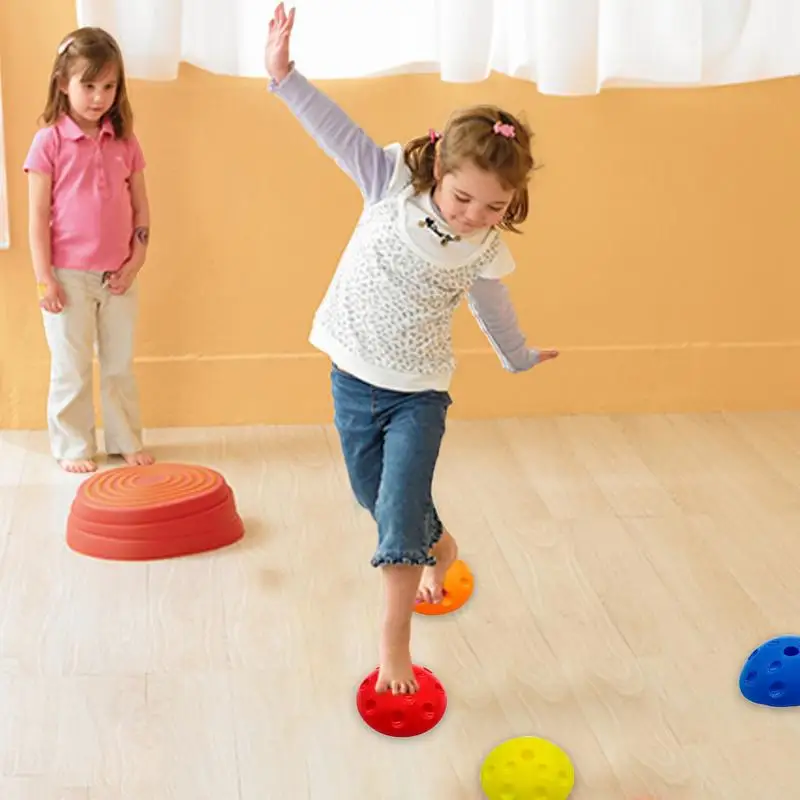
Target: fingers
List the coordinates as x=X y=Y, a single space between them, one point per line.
x=52 y=297
x=283 y=20
x=117 y=287
x=273 y=23
x=547 y=355
x=281 y=23
x=53 y=306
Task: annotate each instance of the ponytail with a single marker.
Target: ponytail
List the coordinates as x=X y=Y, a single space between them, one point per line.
x=420 y=157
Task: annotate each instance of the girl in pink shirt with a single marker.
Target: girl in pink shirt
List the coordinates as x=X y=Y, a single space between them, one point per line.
x=89 y=230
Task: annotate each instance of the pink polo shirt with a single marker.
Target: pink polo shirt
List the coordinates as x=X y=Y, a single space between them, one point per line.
x=91 y=218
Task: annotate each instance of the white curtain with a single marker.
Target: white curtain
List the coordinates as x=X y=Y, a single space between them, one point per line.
x=567 y=47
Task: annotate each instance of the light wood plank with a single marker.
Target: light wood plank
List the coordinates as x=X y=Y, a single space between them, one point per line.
x=40 y=789
x=625 y=567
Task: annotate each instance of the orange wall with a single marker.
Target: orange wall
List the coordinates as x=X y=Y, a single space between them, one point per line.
x=661 y=255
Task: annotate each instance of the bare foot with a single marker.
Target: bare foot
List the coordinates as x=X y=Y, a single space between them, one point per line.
x=140 y=459
x=431 y=584
x=81 y=465
x=396 y=674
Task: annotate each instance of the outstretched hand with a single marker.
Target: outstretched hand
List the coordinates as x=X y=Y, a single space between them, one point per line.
x=276 y=57
x=546 y=355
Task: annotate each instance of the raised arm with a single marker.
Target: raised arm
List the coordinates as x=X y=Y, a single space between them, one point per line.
x=491 y=305
x=368 y=164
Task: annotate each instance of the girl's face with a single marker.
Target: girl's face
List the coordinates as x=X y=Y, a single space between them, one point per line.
x=90 y=100
x=471 y=199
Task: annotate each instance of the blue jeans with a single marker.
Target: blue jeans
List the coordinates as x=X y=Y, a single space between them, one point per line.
x=391 y=441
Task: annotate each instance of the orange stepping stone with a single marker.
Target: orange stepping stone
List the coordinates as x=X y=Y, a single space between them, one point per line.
x=458 y=586
x=153 y=512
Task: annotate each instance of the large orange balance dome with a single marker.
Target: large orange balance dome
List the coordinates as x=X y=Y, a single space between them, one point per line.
x=153 y=512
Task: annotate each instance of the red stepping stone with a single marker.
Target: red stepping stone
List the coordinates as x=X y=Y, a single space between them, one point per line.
x=402 y=715
x=153 y=512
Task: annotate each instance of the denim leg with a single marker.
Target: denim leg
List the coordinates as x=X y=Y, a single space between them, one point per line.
x=408 y=524
x=390 y=442
x=360 y=435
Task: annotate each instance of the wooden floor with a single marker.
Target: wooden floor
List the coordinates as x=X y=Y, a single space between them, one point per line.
x=625 y=568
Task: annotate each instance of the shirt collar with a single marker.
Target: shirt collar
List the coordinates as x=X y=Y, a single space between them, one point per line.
x=433 y=210
x=71 y=130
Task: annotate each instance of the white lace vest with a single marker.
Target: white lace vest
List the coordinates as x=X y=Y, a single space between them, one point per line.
x=387 y=315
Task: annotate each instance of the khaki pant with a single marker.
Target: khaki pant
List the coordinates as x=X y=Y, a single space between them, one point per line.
x=92 y=315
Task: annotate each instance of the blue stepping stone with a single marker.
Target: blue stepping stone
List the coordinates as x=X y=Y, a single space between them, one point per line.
x=771 y=675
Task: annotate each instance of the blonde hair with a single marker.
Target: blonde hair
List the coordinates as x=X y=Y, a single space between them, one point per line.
x=493 y=140
x=98 y=49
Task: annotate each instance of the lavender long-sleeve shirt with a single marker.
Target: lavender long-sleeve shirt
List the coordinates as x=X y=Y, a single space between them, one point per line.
x=374 y=169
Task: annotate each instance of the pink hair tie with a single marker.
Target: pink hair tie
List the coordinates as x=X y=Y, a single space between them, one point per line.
x=434 y=135
x=504 y=130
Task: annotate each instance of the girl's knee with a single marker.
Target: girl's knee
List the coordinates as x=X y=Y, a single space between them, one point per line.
x=402 y=537
x=408 y=524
